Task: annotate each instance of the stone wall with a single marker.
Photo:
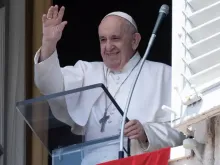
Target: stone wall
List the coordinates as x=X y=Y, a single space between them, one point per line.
x=211 y=153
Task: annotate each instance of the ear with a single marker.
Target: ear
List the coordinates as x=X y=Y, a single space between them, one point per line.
x=136 y=40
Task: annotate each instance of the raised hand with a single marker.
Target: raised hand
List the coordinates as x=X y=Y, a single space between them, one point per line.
x=52 y=30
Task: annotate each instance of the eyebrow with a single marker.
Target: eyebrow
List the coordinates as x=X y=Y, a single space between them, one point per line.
x=101 y=37
x=114 y=35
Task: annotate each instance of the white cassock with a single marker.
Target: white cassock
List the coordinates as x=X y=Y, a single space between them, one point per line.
x=153 y=89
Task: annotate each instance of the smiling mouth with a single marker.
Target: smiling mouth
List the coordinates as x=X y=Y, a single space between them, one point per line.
x=112 y=54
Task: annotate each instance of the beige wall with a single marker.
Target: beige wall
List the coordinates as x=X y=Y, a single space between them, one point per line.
x=35 y=9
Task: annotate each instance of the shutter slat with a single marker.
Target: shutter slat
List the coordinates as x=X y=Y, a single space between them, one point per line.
x=199 y=4
x=205 y=61
x=209 y=85
x=205 y=46
x=205 y=30
x=206 y=75
x=205 y=14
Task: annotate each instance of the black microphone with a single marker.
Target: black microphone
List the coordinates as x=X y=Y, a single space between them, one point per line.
x=163 y=12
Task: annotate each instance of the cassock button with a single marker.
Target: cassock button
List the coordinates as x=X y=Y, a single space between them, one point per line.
x=117 y=78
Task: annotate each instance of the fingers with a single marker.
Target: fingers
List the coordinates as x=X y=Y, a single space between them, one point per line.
x=133 y=132
x=55 y=12
x=44 y=18
x=55 y=17
x=61 y=13
x=62 y=25
x=130 y=129
x=133 y=137
x=130 y=123
x=50 y=13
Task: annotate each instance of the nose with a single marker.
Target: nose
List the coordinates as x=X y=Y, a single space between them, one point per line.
x=109 y=46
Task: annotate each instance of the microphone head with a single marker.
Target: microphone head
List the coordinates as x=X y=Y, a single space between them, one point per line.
x=164 y=9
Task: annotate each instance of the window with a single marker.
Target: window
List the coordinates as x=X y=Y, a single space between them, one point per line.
x=195 y=61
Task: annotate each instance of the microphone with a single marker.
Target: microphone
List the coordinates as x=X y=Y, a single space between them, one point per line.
x=164 y=10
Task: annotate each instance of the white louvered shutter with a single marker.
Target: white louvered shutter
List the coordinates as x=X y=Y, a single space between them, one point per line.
x=195 y=60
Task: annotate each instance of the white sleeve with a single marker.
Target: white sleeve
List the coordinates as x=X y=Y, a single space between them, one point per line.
x=161 y=135
x=50 y=78
x=159 y=132
x=47 y=74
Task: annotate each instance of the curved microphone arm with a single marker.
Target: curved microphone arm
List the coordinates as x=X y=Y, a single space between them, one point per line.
x=163 y=12
x=121 y=152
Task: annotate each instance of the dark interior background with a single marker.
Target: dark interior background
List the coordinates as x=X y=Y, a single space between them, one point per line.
x=80 y=39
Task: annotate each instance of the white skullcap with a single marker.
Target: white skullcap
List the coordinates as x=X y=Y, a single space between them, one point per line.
x=125 y=16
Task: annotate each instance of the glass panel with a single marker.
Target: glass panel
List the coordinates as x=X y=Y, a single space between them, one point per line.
x=51 y=119
x=88 y=153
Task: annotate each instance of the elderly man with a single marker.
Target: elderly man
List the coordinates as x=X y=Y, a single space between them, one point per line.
x=119 y=39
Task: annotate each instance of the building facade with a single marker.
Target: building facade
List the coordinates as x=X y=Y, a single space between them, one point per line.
x=196 y=72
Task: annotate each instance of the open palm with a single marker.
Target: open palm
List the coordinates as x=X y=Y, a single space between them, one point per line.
x=53 y=25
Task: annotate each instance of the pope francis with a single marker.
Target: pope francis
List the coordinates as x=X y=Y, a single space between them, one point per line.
x=148 y=127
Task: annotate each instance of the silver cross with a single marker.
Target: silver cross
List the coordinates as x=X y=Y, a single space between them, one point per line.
x=103 y=121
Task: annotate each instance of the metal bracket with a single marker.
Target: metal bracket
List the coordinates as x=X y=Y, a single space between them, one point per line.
x=60 y=151
x=190 y=99
x=194 y=97
x=173 y=113
x=197 y=148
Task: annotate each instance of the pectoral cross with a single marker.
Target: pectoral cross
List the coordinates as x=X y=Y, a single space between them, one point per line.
x=103 y=121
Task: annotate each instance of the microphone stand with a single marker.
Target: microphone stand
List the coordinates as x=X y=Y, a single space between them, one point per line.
x=150 y=44
x=1 y=150
x=121 y=152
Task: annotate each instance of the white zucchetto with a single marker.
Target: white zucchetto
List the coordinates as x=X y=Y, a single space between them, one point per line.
x=125 y=16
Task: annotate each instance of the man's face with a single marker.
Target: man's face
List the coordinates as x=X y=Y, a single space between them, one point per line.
x=115 y=42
